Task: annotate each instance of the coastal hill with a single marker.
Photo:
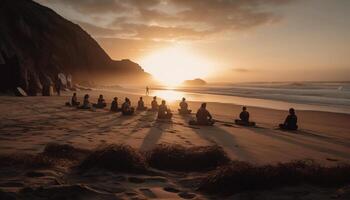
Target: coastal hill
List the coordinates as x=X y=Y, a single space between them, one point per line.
x=36 y=44
x=194 y=82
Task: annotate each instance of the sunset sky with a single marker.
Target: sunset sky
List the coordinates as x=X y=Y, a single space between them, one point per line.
x=221 y=40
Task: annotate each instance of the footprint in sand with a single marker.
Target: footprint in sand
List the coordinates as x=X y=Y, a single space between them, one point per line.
x=186 y=195
x=171 y=189
x=148 y=193
x=157 y=179
x=188 y=142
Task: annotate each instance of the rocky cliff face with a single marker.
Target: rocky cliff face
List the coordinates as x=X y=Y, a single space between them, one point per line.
x=36 y=44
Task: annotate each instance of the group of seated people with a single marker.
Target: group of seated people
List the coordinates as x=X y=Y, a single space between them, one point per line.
x=203 y=116
x=126 y=107
x=290 y=123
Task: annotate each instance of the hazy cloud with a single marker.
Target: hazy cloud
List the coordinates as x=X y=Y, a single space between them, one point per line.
x=88 y=6
x=174 y=19
x=130 y=48
x=241 y=70
x=97 y=31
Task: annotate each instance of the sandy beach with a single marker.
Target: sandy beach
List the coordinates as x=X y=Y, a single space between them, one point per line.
x=285 y=62
x=28 y=124
x=323 y=136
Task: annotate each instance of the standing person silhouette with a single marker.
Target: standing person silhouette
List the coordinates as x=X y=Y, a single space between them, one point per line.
x=147 y=90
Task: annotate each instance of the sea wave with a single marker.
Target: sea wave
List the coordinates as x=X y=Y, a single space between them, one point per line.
x=327 y=94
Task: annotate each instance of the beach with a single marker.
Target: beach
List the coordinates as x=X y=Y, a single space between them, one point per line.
x=39 y=120
x=28 y=124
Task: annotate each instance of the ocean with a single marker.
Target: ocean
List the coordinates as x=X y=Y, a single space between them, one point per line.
x=317 y=96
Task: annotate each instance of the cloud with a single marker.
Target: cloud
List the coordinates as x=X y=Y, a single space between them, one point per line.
x=174 y=19
x=130 y=48
x=97 y=31
x=241 y=70
x=142 y=31
x=88 y=6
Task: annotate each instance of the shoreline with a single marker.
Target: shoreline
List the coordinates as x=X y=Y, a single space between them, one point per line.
x=253 y=101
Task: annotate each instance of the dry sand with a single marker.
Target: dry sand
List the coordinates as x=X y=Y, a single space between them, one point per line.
x=27 y=124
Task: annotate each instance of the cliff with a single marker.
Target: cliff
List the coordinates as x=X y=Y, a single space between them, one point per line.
x=36 y=44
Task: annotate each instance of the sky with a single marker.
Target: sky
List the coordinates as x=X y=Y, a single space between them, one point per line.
x=221 y=40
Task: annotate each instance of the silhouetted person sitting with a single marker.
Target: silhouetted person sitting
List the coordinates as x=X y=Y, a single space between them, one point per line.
x=164 y=112
x=74 y=100
x=86 y=103
x=101 y=103
x=114 y=105
x=184 y=107
x=291 y=121
x=203 y=117
x=141 y=105
x=126 y=107
x=244 y=118
x=154 y=104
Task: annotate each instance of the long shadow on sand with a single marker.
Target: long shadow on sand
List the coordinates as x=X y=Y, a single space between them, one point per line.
x=154 y=134
x=221 y=137
x=100 y=124
x=309 y=134
x=289 y=138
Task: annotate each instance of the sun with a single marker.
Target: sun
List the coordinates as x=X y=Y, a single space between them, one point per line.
x=171 y=66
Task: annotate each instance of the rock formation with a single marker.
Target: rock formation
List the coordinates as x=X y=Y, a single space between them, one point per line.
x=36 y=44
x=194 y=82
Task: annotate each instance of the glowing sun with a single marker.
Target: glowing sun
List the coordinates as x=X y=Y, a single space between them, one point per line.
x=171 y=66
